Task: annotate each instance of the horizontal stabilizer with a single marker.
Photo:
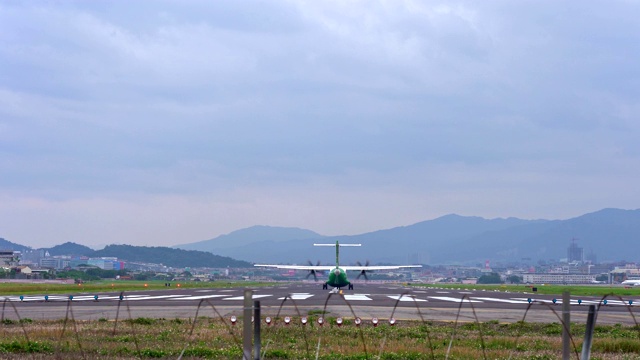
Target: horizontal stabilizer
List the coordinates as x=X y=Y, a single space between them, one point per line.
x=335 y=245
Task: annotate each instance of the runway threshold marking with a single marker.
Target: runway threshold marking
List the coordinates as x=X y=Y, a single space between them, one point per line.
x=297 y=296
x=356 y=297
x=405 y=298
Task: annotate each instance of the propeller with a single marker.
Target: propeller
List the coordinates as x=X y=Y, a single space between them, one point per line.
x=313 y=272
x=363 y=273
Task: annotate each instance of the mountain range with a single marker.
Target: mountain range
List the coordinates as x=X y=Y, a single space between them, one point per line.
x=608 y=234
x=155 y=254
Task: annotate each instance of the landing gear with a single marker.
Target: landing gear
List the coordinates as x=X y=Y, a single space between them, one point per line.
x=324 y=286
x=350 y=286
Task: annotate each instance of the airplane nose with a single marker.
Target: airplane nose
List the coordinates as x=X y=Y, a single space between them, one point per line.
x=336 y=271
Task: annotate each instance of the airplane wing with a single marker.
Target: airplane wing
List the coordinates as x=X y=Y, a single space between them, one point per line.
x=382 y=267
x=299 y=267
x=330 y=267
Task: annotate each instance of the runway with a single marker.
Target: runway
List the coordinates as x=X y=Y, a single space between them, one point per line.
x=367 y=300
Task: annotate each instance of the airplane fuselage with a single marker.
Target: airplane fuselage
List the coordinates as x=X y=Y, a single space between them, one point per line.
x=631 y=282
x=338 y=278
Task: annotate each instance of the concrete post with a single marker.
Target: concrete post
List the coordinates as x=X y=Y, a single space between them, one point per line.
x=246 y=325
x=566 y=329
x=588 y=334
x=256 y=330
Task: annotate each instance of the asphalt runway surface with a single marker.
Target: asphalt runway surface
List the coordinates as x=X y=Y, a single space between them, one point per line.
x=367 y=300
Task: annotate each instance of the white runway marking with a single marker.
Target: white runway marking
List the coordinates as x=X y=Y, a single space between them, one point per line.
x=616 y=302
x=64 y=298
x=298 y=296
x=82 y=298
x=242 y=297
x=446 y=298
x=199 y=297
x=14 y=298
x=405 y=298
x=465 y=292
x=111 y=297
x=354 y=297
x=443 y=292
x=501 y=300
x=152 y=297
x=584 y=302
x=548 y=301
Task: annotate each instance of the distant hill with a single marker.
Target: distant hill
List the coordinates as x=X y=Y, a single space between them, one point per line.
x=70 y=248
x=611 y=234
x=169 y=257
x=261 y=244
x=251 y=235
x=8 y=245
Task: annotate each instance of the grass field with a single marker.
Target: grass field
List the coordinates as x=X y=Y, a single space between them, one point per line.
x=209 y=338
x=117 y=285
x=216 y=338
x=575 y=290
x=129 y=285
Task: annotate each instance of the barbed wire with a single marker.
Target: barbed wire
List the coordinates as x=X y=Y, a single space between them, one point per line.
x=274 y=322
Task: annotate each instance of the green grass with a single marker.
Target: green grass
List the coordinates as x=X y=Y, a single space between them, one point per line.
x=143 y=338
x=575 y=290
x=117 y=286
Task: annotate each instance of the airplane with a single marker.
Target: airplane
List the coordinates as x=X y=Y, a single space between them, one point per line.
x=337 y=274
x=631 y=282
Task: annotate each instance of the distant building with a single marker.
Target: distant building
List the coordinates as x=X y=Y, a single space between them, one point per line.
x=50 y=263
x=575 y=253
x=23 y=272
x=106 y=263
x=7 y=258
x=32 y=256
x=56 y=262
x=558 y=278
x=627 y=272
x=78 y=261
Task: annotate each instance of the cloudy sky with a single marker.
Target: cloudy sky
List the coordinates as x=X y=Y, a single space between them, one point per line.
x=168 y=122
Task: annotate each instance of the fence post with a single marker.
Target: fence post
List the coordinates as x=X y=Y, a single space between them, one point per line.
x=566 y=328
x=246 y=325
x=588 y=333
x=256 y=330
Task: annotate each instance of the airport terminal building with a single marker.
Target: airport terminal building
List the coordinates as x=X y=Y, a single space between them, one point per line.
x=558 y=278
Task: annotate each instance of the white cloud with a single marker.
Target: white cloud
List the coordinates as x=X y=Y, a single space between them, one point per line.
x=358 y=115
